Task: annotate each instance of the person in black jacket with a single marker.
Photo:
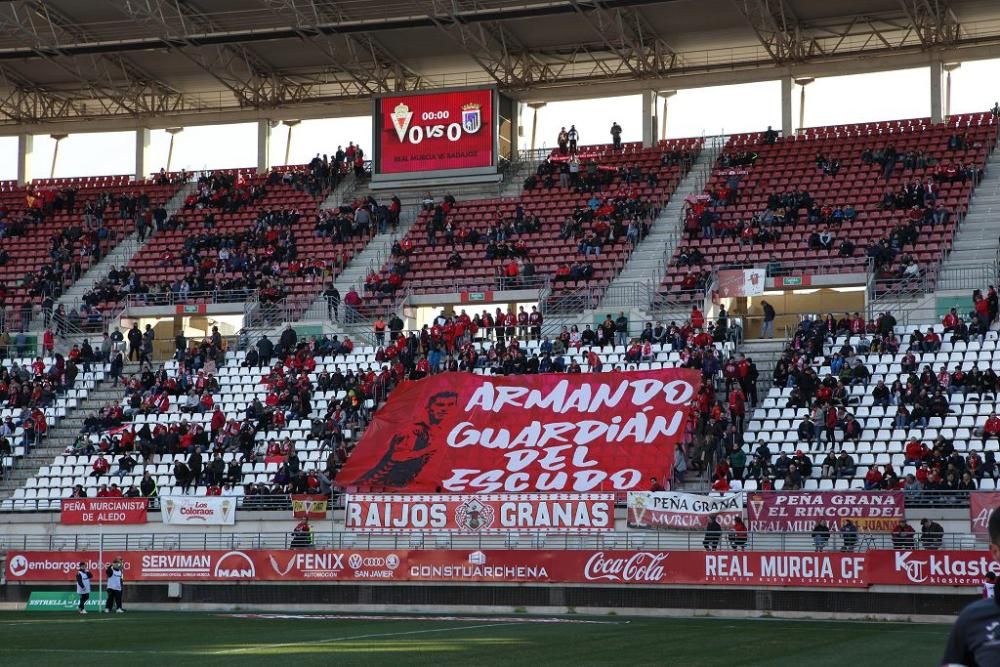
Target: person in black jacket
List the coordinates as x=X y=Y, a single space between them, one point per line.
x=713 y=533
x=265 y=350
x=134 y=343
x=195 y=464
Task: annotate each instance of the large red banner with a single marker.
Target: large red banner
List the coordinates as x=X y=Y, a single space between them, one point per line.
x=799 y=511
x=981 y=505
x=434 y=131
x=654 y=567
x=79 y=511
x=484 y=513
x=464 y=433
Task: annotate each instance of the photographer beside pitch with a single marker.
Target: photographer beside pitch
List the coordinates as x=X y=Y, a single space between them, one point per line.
x=975 y=638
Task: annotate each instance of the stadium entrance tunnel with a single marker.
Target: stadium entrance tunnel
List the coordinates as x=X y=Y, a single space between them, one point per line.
x=793 y=297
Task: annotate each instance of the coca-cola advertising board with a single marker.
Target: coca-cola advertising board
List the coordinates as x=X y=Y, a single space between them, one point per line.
x=483 y=513
x=548 y=433
x=799 y=511
x=608 y=567
x=435 y=131
x=673 y=510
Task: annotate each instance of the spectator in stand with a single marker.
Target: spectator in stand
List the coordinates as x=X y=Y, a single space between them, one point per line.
x=616 y=136
x=991 y=429
x=931 y=534
x=903 y=535
x=820 y=535
x=713 y=533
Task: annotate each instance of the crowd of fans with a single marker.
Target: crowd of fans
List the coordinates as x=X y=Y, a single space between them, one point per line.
x=920 y=393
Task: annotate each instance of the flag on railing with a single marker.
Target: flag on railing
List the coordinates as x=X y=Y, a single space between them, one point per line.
x=310 y=506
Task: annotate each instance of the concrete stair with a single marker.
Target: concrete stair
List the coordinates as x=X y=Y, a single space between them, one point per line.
x=119 y=256
x=64 y=433
x=976 y=242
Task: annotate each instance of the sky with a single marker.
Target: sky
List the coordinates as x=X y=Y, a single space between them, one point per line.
x=691 y=113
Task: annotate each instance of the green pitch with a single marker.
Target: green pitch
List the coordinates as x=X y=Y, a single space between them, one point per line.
x=180 y=638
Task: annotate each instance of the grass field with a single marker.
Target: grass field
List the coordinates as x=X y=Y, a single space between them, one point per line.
x=179 y=638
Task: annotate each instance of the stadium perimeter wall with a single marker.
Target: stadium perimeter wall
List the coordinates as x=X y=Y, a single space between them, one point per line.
x=917 y=604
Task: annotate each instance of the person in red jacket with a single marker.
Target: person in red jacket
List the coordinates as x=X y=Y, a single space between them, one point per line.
x=100 y=466
x=737 y=407
x=991 y=429
x=915 y=452
x=697 y=318
x=738 y=537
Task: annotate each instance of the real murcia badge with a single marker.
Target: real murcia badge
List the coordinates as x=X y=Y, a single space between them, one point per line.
x=401 y=117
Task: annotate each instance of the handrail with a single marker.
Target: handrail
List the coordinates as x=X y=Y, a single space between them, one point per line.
x=339 y=539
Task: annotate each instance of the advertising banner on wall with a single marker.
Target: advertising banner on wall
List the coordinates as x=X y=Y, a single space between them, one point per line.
x=615 y=567
x=673 y=510
x=799 y=511
x=981 y=505
x=103 y=511
x=464 y=433
x=741 y=282
x=435 y=131
x=484 y=513
x=198 y=510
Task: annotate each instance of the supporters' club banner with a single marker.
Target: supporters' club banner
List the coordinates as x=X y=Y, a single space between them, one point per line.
x=798 y=511
x=433 y=131
x=77 y=511
x=198 y=510
x=930 y=568
x=672 y=510
x=483 y=513
x=981 y=504
x=741 y=282
x=310 y=507
x=465 y=433
x=644 y=568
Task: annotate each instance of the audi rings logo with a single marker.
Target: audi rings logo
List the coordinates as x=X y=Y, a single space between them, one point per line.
x=357 y=561
x=18 y=566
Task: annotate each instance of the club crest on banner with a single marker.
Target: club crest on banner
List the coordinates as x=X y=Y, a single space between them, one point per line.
x=474 y=516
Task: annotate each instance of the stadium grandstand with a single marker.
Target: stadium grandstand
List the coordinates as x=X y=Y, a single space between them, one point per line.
x=567 y=313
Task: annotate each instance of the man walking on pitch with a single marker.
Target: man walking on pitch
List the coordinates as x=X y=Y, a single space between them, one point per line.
x=115 y=585
x=83 y=585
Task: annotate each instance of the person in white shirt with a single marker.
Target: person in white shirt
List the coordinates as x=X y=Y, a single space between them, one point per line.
x=83 y=585
x=989 y=585
x=116 y=583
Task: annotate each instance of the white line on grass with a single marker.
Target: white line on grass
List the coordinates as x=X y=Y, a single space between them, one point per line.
x=381 y=635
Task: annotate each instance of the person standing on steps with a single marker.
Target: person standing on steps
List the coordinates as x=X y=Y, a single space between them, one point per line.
x=767 y=326
x=134 y=343
x=332 y=302
x=616 y=135
x=116 y=585
x=83 y=585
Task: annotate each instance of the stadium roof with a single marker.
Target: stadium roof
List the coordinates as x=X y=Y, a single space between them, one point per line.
x=116 y=64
